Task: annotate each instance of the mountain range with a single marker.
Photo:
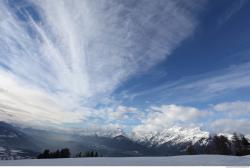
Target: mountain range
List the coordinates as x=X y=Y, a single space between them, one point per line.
x=19 y=143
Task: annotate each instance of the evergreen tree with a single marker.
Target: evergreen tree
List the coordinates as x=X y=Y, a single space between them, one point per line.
x=57 y=154
x=79 y=154
x=244 y=150
x=46 y=153
x=222 y=145
x=92 y=154
x=236 y=144
x=40 y=156
x=191 y=150
x=245 y=142
x=65 y=153
x=87 y=154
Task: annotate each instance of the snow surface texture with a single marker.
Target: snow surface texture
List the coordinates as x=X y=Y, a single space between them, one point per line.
x=195 y=160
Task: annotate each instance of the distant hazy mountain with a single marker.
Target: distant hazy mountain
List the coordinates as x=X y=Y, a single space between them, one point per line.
x=14 y=144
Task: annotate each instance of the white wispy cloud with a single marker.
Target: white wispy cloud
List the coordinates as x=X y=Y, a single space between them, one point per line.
x=231 y=126
x=120 y=112
x=226 y=117
x=234 y=109
x=166 y=116
x=109 y=130
x=201 y=87
x=231 y=11
x=63 y=57
x=25 y=104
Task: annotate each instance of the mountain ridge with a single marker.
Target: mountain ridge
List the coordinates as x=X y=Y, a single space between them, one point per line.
x=172 y=141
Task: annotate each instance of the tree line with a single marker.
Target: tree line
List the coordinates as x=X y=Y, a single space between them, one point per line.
x=88 y=154
x=65 y=153
x=219 y=144
x=47 y=154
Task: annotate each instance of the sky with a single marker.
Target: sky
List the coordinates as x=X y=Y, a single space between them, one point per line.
x=137 y=66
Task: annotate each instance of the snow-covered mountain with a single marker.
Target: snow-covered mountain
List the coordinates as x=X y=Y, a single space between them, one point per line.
x=15 y=142
x=174 y=135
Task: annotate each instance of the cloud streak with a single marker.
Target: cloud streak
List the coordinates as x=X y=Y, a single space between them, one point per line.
x=63 y=58
x=202 y=87
x=28 y=105
x=234 y=9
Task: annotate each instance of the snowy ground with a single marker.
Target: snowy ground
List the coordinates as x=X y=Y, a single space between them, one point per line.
x=199 y=160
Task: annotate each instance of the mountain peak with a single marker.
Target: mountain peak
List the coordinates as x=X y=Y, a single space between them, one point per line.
x=174 y=135
x=121 y=137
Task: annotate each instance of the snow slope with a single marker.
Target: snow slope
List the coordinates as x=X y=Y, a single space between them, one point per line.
x=185 y=160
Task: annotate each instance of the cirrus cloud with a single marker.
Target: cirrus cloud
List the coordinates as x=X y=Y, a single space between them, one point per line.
x=65 y=57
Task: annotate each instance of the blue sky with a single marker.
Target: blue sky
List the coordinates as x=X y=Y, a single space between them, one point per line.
x=125 y=65
x=217 y=44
